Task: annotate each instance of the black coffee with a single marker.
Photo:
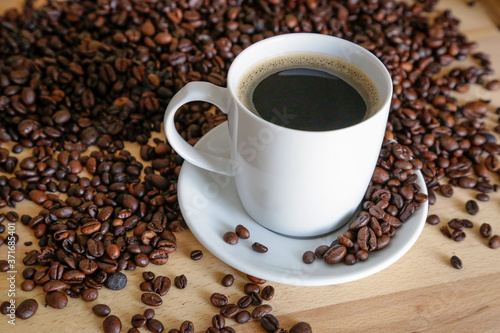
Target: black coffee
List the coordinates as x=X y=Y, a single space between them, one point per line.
x=308 y=99
x=308 y=91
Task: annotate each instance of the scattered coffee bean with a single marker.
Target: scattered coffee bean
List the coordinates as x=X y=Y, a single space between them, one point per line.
x=56 y=299
x=90 y=295
x=258 y=247
x=218 y=321
x=261 y=311
x=196 y=255
x=301 y=327
x=28 y=285
x=256 y=279
x=250 y=288
x=151 y=299
x=485 y=230
x=242 y=317
x=227 y=280
x=244 y=302
x=267 y=293
x=242 y=232
x=149 y=314
x=148 y=276
x=187 y=327
x=101 y=310
x=229 y=310
x=269 y=323
x=138 y=320
x=494 y=242
x=5 y=307
x=218 y=299
x=321 y=250
x=4 y=265
x=180 y=282
x=26 y=308
x=155 y=326
x=483 y=197
x=112 y=324
x=433 y=219
x=231 y=238
x=456 y=262
x=472 y=207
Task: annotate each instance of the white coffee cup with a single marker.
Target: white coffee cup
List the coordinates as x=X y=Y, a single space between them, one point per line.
x=297 y=183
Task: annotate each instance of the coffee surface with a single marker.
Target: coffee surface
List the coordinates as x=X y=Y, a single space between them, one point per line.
x=308 y=99
x=308 y=91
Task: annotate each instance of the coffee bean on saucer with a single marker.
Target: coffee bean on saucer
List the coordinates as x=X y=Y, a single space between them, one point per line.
x=321 y=250
x=308 y=257
x=227 y=280
x=196 y=255
x=231 y=238
x=242 y=232
x=258 y=247
x=456 y=262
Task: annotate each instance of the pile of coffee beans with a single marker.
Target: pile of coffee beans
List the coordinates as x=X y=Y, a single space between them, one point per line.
x=80 y=74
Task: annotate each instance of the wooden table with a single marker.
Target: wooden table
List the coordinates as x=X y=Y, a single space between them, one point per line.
x=419 y=293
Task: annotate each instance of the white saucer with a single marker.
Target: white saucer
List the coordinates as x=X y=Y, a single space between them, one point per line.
x=211 y=207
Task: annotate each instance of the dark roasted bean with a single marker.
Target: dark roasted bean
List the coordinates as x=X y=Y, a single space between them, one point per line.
x=196 y=255
x=456 y=262
x=26 y=308
x=112 y=324
x=151 y=299
x=227 y=280
x=258 y=247
x=242 y=232
x=101 y=310
x=180 y=282
x=218 y=299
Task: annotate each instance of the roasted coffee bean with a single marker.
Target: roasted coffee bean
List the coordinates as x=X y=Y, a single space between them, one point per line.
x=101 y=310
x=308 y=257
x=301 y=327
x=218 y=321
x=244 y=302
x=180 y=282
x=146 y=286
x=227 y=280
x=258 y=247
x=267 y=293
x=54 y=285
x=196 y=255
x=138 y=320
x=456 y=262
x=242 y=317
x=250 y=288
x=28 y=285
x=321 y=250
x=151 y=299
x=472 y=207
x=149 y=314
x=483 y=197
x=218 y=299
x=155 y=326
x=187 y=327
x=56 y=299
x=148 y=276
x=112 y=324
x=433 y=219
x=335 y=254
x=5 y=307
x=456 y=224
x=494 y=242
x=90 y=295
x=161 y=285
x=255 y=279
x=458 y=235
x=269 y=323
x=116 y=281
x=485 y=230
x=229 y=310
x=26 y=308
x=242 y=232
x=261 y=311
x=231 y=238
x=4 y=265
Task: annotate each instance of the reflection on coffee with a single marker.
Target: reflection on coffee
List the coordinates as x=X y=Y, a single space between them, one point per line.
x=308 y=91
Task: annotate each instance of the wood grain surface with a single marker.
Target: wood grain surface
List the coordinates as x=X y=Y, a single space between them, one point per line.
x=419 y=293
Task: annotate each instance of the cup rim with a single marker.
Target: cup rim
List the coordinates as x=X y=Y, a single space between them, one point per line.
x=385 y=104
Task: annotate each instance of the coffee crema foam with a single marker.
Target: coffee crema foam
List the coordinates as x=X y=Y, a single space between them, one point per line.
x=310 y=60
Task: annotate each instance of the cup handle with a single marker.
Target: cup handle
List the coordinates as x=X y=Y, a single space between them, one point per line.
x=197 y=91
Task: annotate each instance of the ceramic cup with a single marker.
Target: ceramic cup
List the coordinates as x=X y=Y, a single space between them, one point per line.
x=293 y=182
